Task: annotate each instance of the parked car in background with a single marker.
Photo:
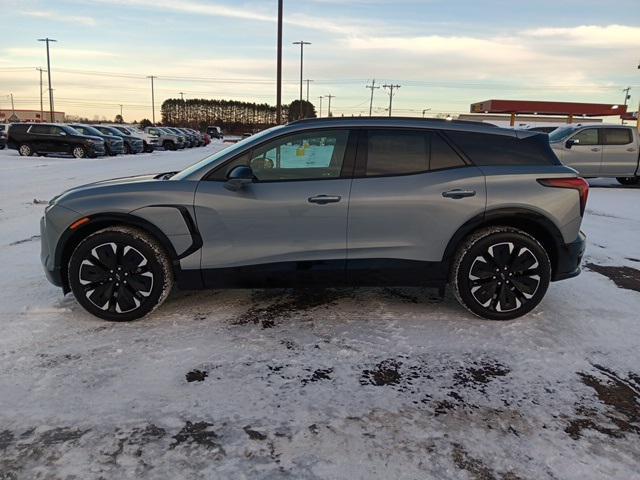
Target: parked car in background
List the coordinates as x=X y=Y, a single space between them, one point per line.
x=198 y=135
x=193 y=135
x=182 y=139
x=545 y=129
x=215 y=132
x=149 y=142
x=345 y=201
x=611 y=151
x=3 y=135
x=114 y=144
x=167 y=140
x=50 y=138
x=207 y=138
x=132 y=144
x=189 y=139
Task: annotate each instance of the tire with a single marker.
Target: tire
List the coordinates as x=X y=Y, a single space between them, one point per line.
x=628 y=180
x=500 y=273
x=25 y=150
x=79 y=152
x=126 y=149
x=120 y=274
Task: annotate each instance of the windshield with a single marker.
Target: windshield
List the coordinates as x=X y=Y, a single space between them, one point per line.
x=561 y=133
x=211 y=160
x=111 y=131
x=70 y=130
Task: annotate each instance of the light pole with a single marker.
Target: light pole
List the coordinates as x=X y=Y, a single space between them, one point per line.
x=153 y=101
x=425 y=111
x=48 y=40
x=279 y=67
x=302 y=43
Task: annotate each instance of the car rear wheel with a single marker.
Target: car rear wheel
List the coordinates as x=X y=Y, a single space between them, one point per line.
x=501 y=273
x=25 y=150
x=628 y=180
x=79 y=152
x=120 y=274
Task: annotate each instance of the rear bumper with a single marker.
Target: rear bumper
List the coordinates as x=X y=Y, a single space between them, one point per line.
x=569 y=259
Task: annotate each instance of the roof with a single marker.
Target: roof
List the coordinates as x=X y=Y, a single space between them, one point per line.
x=413 y=122
x=548 y=108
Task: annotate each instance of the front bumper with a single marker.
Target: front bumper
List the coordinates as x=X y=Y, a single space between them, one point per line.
x=97 y=149
x=53 y=273
x=116 y=147
x=569 y=259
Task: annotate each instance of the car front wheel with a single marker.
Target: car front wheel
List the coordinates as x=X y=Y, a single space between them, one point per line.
x=79 y=152
x=120 y=274
x=501 y=273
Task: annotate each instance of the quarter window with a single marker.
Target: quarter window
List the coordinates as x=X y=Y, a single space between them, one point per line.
x=442 y=155
x=587 y=137
x=617 y=136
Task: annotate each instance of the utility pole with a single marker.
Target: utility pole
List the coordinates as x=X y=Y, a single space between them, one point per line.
x=391 y=89
x=308 y=81
x=121 y=111
x=41 y=95
x=153 y=100
x=279 y=67
x=183 y=106
x=320 y=109
x=48 y=40
x=627 y=97
x=329 y=109
x=13 y=109
x=302 y=43
x=372 y=87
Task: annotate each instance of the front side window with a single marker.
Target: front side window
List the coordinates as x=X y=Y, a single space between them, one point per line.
x=617 y=136
x=304 y=156
x=587 y=137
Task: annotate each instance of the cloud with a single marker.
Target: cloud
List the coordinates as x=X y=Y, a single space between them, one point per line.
x=607 y=36
x=58 y=17
x=66 y=53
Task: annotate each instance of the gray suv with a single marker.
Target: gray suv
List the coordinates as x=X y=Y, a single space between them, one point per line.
x=405 y=202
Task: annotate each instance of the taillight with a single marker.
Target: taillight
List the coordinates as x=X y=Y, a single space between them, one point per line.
x=575 y=183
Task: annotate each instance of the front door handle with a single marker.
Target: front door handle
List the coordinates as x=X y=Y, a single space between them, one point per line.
x=458 y=193
x=324 y=199
x=595 y=149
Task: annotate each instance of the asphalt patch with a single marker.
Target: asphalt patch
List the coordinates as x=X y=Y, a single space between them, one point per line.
x=318 y=375
x=476 y=468
x=386 y=372
x=624 y=277
x=196 y=376
x=620 y=397
x=254 y=434
x=197 y=434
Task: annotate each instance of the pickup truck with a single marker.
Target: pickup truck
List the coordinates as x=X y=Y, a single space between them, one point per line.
x=600 y=151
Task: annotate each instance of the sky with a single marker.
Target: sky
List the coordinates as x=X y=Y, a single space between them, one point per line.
x=445 y=54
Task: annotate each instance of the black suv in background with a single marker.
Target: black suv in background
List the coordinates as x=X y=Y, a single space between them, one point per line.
x=3 y=135
x=113 y=143
x=131 y=144
x=45 y=138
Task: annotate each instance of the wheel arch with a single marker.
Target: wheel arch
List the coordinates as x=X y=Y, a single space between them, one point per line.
x=529 y=221
x=72 y=238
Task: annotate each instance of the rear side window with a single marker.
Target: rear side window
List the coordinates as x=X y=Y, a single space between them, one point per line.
x=487 y=149
x=617 y=136
x=442 y=155
x=40 y=129
x=396 y=152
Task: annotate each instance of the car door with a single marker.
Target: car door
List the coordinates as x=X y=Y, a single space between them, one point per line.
x=583 y=151
x=40 y=138
x=410 y=194
x=619 y=152
x=290 y=223
x=59 y=140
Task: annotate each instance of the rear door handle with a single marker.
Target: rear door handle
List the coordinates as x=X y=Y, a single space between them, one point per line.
x=457 y=193
x=631 y=149
x=324 y=199
x=595 y=149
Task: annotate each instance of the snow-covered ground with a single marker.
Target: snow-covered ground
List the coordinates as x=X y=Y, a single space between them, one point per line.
x=338 y=383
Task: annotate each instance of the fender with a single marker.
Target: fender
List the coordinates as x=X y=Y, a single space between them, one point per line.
x=531 y=221
x=71 y=238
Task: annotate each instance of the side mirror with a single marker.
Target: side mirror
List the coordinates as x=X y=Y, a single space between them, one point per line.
x=570 y=143
x=238 y=177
